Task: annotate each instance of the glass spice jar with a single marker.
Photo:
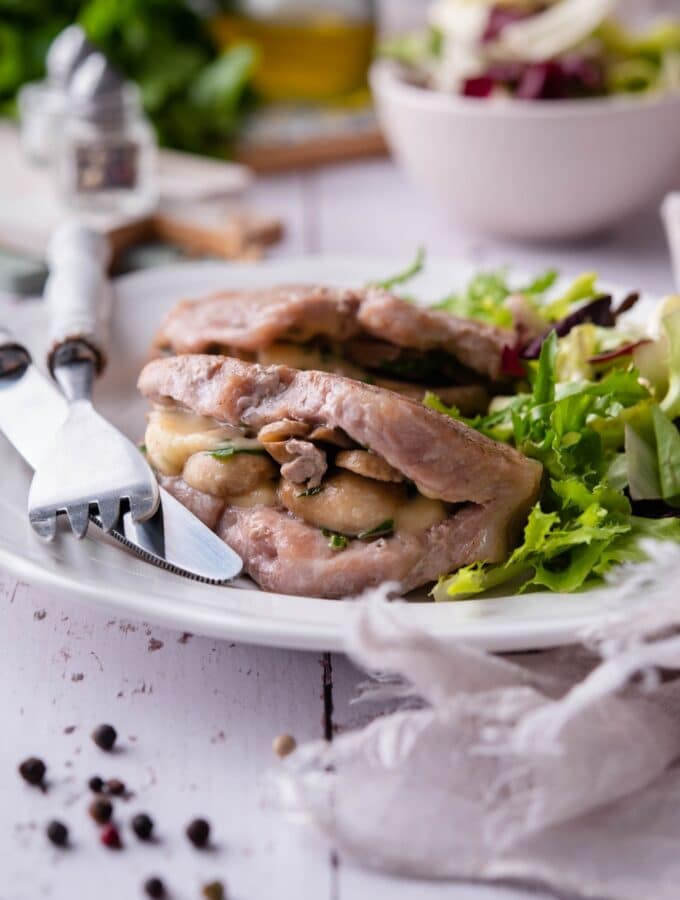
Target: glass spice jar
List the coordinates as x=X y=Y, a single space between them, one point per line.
x=107 y=160
x=42 y=103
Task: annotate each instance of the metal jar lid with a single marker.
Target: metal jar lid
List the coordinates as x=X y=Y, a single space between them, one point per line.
x=99 y=93
x=66 y=52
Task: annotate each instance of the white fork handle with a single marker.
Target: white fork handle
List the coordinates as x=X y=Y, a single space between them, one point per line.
x=77 y=292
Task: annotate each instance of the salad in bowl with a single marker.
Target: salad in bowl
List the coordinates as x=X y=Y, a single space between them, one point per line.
x=538 y=50
x=534 y=120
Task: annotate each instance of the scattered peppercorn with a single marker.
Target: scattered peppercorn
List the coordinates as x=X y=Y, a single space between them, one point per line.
x=198 y=832
x=110 y=837
x=114 y=786
x=33 y=770
x=284 y=744
x=96 y=784
x=154 y=887
x=142 y=825
x=104 y=736
x=57 y=833
x=214 y=891
x=101 y=810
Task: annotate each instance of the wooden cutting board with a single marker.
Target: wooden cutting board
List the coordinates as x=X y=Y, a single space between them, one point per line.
x=30 y=208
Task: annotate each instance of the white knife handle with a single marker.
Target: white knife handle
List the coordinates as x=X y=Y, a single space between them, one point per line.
x=77 y=291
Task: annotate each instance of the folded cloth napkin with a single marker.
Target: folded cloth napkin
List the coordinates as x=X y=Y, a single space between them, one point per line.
x=554 y=767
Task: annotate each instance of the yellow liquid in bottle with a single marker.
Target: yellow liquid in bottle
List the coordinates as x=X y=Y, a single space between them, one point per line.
x=321 y=57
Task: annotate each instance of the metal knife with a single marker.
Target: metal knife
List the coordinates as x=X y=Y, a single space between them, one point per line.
x=32 y=409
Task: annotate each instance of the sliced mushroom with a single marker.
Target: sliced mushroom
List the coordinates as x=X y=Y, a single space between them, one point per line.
x=277 y=450
x=282 y=430
x=296 y=356
x=306 y=356
x=237 y=474
x=172 y=436
x=363 y=462
x=346 y=503
x=335 y=436
x=263 y=495
x=419 y=514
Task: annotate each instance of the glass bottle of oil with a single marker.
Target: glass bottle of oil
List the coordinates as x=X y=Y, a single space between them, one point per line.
x=309 y=50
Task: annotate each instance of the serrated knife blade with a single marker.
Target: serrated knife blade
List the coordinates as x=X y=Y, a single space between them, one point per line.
x=31 y=411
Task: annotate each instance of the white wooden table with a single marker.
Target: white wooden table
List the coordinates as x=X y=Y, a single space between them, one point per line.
x=196 y=717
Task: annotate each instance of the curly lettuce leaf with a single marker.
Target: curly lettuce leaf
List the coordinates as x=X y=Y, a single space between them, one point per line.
x=583 y=524
x=584 y=287
x=485 y=295
x=560 y=550
x=482 y=299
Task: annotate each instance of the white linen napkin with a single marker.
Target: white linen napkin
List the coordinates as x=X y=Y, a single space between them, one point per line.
x=554 y=767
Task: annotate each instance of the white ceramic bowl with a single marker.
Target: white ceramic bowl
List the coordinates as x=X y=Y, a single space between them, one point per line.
x=531 y=170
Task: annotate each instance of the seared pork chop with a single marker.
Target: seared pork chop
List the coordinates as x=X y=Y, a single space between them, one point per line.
x=251 y=319
x=360 y=333
x=475 y=344
x=396 y=492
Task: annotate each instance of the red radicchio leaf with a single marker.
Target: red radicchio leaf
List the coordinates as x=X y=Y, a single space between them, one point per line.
x=511 y=364
x=598 y=311
x=478 y=87
x=623 y=350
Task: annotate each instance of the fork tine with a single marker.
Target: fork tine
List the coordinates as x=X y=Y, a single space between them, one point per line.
x=109 y=511
x=79 y=519
x=44 y=524
x=141 y=505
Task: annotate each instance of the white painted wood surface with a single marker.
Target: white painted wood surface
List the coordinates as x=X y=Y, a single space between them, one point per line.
x=197 y=717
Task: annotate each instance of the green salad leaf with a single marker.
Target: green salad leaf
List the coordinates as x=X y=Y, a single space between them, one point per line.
x=594 y=438
x=414 y=268
x=485 y=295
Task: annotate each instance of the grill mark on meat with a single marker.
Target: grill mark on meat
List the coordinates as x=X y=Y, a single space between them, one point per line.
x=443 y=457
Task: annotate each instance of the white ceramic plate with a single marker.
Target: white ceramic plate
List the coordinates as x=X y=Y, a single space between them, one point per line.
x=105 y=576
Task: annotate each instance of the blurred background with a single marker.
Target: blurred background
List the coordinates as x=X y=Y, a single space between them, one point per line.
x=267 y=85
x=210 y=70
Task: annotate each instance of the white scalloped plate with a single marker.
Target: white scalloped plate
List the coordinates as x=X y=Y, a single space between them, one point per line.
x=104 y=575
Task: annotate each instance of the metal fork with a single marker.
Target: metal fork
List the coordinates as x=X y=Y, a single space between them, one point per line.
x=91 y=468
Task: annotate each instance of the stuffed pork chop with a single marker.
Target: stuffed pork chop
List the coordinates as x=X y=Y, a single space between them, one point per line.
x=326 y=485
x=367 y=334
